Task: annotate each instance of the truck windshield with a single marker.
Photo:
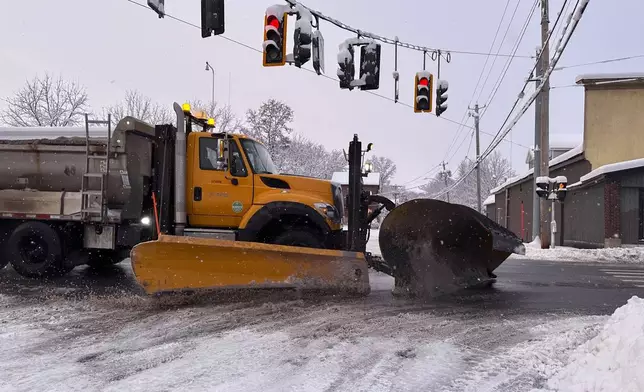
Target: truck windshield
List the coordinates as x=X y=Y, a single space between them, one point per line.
x=260 y=159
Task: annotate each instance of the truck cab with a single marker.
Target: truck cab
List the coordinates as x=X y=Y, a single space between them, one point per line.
x=235 y=191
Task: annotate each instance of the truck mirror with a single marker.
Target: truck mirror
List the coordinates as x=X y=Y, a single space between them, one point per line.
x=222 y=153
x=220 y=148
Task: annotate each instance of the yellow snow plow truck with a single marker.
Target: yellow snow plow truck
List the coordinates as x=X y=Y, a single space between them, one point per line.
x=199 y=210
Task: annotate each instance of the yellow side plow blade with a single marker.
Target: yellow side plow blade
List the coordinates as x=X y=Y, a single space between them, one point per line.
x=175 y=263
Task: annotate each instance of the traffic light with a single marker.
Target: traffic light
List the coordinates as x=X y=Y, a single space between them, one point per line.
x=275 y=36
x=370 y=66
x=542 y=186
x=346 y=70
x=441 y=96
x=423 y=91
x=302 y=38
x=212 y=17
x=561 y=187
x=157 y=6
x=318 y=52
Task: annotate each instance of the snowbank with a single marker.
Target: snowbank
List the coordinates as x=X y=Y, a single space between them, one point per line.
x=613 y=360
x=623 y=255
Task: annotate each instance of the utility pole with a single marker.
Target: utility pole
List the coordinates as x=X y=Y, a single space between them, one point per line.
x=446 y=174
x=536 y=159
x=544 y=144
x=478 y=154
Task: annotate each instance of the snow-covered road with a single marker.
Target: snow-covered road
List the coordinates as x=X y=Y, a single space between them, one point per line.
x=79 y=338
x=133 y=343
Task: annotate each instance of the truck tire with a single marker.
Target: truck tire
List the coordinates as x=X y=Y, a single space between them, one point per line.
x=299 y=237
x=35 y=250
x=98 y=258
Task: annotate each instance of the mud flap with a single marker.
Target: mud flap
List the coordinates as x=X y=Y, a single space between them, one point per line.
x=175 y=263
x=436 y=247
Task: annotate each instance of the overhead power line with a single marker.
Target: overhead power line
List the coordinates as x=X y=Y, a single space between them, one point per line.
x=461 y=124
x=508 y=63
x=531 y=73
x=515 y=46
x=395 y=41
x=637 y=56
x=562 y=43
x=564 y=7
x=305 y=69
x=478 y=82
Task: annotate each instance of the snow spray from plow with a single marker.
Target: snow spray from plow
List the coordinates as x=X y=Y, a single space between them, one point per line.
x=434 y=247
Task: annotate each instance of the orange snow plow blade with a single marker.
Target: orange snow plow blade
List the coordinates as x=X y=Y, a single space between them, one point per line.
x=176 y=263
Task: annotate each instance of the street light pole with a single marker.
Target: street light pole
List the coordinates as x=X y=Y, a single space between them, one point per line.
x=209 y=68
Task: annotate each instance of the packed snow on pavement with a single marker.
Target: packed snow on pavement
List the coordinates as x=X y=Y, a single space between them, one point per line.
x=130 y=343
x=621 y=255
x=79 y=339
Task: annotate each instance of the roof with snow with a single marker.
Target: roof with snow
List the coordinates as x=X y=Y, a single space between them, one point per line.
x=559 y=141
x=609 y=168
x=490 y=200
x=565 y=140
x=553 y=162
x=343 y=178
x=610 y=77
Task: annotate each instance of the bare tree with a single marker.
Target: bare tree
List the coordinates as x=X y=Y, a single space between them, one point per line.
x=225 y=118
x=46 y=102
x=495 y=170
x=140 y=107
x=307 y=158
x=270 y=125
x=386 y=167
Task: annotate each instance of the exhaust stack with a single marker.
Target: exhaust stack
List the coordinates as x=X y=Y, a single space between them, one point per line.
x=180 y=218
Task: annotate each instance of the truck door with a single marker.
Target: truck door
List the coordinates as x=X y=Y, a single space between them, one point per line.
x=220 y=198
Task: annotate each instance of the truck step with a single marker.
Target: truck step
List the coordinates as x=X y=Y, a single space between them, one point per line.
x=94 y=175
x=97 y=157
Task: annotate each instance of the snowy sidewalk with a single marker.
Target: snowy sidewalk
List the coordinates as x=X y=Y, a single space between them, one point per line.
x=622 y=255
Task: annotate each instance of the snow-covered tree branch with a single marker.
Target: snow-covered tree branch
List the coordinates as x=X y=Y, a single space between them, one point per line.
x=47 y=102
x=140 y=107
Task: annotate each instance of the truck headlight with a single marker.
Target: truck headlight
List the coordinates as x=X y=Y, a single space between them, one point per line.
x=329 y=211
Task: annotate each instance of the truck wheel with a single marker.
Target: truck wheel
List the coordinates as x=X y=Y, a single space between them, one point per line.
x=98 y=258
x=34 y=250
x=299 y=237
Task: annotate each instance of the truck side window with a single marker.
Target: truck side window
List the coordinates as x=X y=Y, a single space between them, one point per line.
x=208 y=154
x=237 y=167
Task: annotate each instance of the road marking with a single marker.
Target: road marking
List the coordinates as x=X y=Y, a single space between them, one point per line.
x=626 y=275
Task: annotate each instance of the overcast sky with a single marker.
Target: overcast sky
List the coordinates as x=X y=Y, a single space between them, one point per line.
x=111 y=46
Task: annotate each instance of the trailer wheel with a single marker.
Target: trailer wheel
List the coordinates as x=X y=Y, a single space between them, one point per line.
x=35 y=250
x=98 y=258
x=299 y=237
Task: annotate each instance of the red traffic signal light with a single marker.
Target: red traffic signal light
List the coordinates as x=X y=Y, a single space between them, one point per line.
x=423 y=92
x=274 y=37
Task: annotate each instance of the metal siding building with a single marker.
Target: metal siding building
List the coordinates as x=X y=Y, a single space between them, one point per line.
x=601 y=209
